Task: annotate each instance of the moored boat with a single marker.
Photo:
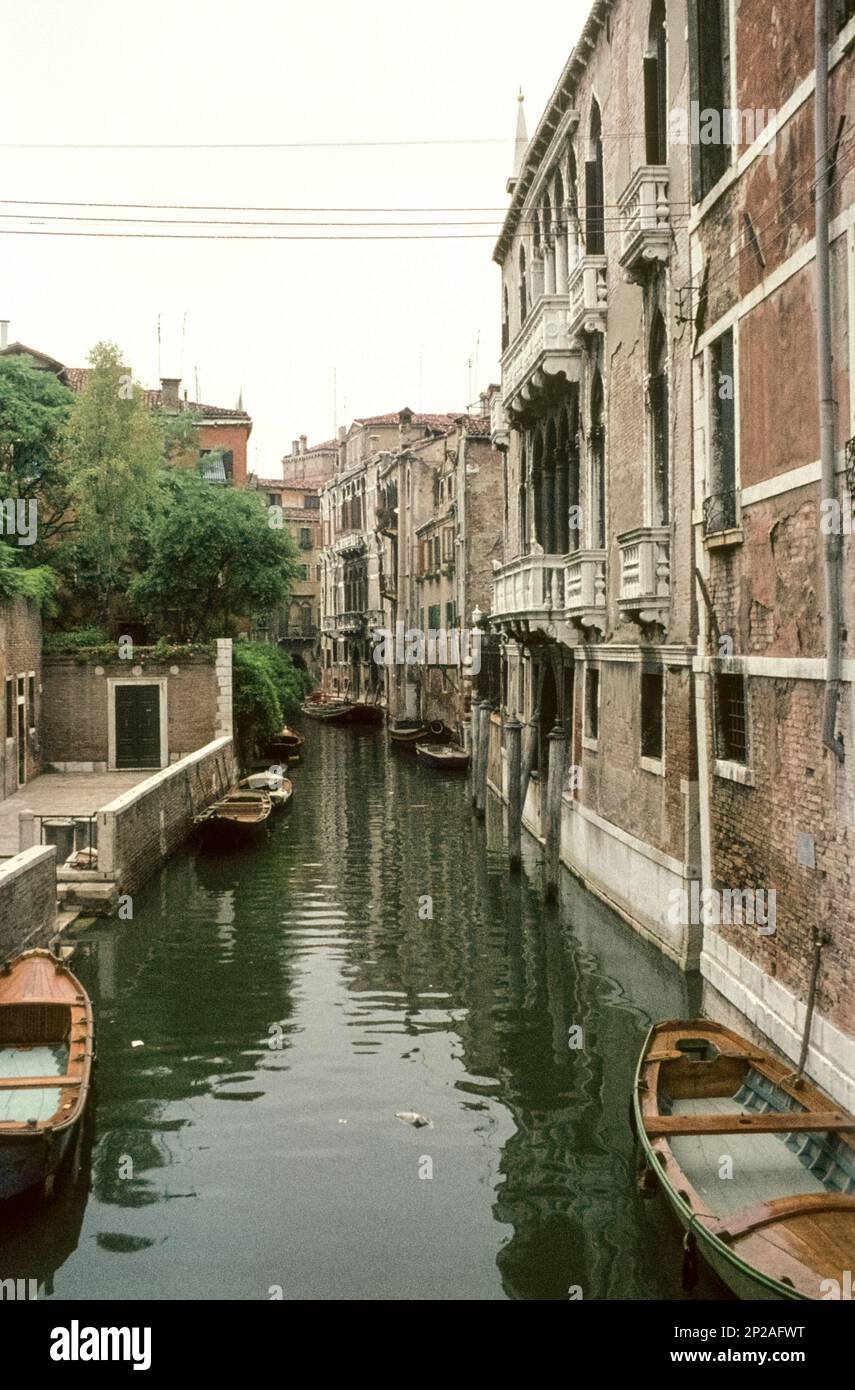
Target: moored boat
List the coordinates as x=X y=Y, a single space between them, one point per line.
x=328 y=711
x=782 y=1226
x=240 y=815
x=286 y=746
x=407 y=733
x=450 y=758
x=279 y=789
x=46 y=1053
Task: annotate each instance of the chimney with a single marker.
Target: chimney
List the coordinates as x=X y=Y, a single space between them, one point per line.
x=342 y=433
x=4 y=332
x=170 y=387
x=303 y=442
x=295 y=447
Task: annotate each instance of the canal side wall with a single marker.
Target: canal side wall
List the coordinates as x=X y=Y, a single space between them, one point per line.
x=632 y=877
x=145 y=825
x=27 y=900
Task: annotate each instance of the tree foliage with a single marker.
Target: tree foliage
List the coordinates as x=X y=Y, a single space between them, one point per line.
x=115 y=450
x=37 y=584
x=34 y=411
x=267 y=687
x=212 y=560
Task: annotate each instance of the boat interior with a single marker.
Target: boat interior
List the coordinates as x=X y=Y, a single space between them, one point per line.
x=34 y=1056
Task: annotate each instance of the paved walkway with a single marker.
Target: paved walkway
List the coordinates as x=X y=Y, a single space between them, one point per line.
x=62 y=794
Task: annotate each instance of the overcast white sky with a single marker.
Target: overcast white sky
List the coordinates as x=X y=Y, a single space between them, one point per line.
x=397 y=322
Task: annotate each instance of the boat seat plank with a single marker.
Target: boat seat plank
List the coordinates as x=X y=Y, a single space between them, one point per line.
x=32 y=1083
x=775 y=1122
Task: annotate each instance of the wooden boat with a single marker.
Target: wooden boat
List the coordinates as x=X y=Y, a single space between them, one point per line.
x=407 y=733
x=279 y=789
x=444 y=759
x=784 y=1223
x=366 y=712
x=46 y=1053
x=285 y=746
x=328 y=711
x=239 y=815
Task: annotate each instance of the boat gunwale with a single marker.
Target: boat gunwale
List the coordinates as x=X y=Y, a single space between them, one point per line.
x=79 y=1068
x=689 y=1207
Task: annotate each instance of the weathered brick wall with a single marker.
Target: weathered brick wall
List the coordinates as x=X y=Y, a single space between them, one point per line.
x=234 y=437
x=753 y=833
x=75 y=719
x=27 y=900
x=614 y=785
x=20 y=653
x=143 y=827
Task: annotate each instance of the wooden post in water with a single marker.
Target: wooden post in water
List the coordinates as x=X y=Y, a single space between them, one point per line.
x=513 y=749
x=529 y=754
x=483 y=756
x=474 y=730
x=554 y=789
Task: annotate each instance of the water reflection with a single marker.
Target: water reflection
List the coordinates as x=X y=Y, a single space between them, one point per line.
x=293 y=997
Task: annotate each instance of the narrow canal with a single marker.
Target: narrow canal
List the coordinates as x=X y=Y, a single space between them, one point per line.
x=290 y=999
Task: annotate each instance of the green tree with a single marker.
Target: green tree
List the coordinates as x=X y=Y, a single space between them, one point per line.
x=115 y=452
x=212 y=560
x=267 y=687
x=34 y=410
x=37 y=584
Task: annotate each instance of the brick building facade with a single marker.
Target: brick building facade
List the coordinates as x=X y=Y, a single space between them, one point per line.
x=777 y=799
x=21 y=681
x=595 y=600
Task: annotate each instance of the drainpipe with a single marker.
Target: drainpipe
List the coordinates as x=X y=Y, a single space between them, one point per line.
x=833 y=538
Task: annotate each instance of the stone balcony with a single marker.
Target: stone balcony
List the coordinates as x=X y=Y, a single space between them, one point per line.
x=645 y=220
x=530 y=587
x=585 y=589
x=543 y=349
x=589 y=296
x=499 y=438
x=645 y=574
x=351 y=541
x=328 y=624
x=348 y=623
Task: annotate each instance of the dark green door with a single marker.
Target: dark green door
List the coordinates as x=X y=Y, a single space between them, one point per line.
x=137 y=726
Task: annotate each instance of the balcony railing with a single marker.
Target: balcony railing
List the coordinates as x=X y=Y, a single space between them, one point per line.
x=645 y=215
x=351 y=540
x=544 y=347
x=589 y=296
x=328 y=623
x=720 y=512
x=645 y=573
x=349 y=622
x=532 y=585
x=586 y=588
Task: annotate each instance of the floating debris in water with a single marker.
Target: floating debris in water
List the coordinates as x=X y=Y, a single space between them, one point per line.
x=137 y=1042
x=412 y=1117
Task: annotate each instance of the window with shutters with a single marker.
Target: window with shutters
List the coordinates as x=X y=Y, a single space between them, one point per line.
x=595 y=226
x=720 y=507
x=10 y=705
x=652 y=721
x=657 y=393
x=655 y=88
x=592 y=704
x=597 y=447
x=710 y=78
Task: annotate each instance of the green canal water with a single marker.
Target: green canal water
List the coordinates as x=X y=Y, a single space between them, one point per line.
x=290 y=999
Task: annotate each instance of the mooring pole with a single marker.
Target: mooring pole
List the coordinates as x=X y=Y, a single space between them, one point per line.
x=474 y=730
x=513 y=750
x=554 y=788
x=483 y=755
